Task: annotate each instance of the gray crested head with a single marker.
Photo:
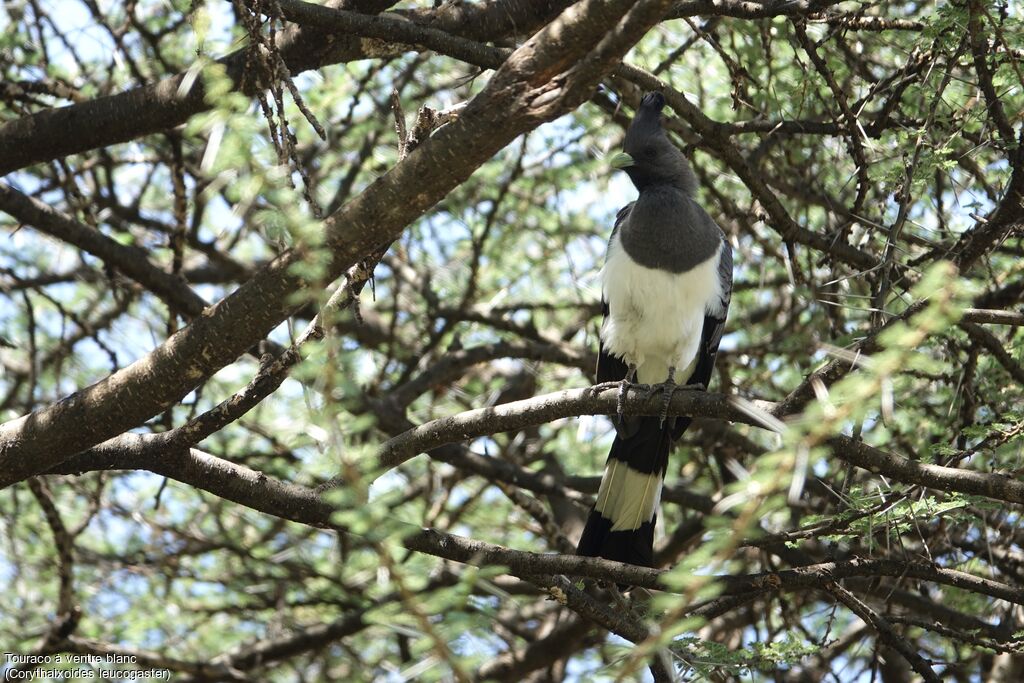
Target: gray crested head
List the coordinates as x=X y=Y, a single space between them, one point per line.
x=650 y=157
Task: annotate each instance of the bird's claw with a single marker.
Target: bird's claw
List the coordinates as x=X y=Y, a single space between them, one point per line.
x=620 y=403
x=669 y=387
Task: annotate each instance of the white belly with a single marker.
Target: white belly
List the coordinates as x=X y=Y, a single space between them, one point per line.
x=655 y=318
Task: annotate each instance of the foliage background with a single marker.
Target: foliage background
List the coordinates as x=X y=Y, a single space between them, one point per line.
x=864 y=160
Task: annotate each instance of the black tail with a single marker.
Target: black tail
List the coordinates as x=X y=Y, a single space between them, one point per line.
x=621 y=523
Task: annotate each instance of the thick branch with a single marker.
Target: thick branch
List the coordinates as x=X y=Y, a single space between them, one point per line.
x=480 y=554
x=995 y=486
x=394 y=30
x=983 y=315
x=540 y=409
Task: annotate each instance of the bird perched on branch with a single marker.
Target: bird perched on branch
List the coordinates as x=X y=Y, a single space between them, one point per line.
x=666 y=286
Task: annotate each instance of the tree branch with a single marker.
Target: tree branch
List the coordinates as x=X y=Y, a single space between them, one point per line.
x=995 y=486
x=885 y=631
x=540 y=409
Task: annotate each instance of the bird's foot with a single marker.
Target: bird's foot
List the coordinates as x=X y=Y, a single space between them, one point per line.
x=669 y=387
x=620 y=404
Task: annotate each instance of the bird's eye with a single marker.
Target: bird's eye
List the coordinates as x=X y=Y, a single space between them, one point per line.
x=648 y=151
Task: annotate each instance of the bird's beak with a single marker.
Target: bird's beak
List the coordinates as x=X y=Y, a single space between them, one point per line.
x=621 y=160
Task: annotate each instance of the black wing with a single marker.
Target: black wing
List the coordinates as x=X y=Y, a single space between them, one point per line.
x=610 y=368
x=714 y=323
x=711 y=333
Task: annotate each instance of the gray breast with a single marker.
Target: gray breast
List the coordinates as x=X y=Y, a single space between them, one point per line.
x=669 y=231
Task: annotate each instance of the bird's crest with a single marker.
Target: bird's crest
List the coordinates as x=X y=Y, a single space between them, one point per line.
x=647 y=120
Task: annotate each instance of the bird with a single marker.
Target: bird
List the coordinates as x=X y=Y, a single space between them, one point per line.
x=666 y=285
